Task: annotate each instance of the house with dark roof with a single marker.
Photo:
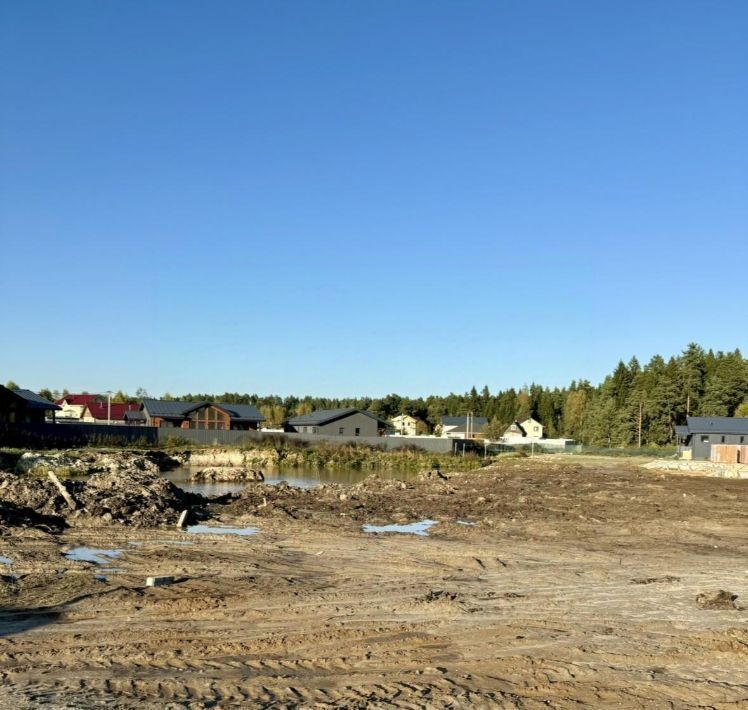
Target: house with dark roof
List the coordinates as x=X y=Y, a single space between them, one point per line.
x=20 y=406
x=696 y=437
x=105 y=413
x=337 y=422
x=463 y=427
x=198 y=415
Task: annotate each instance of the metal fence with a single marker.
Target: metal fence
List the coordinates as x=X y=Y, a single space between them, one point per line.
x=219 y=437
x=51 y=436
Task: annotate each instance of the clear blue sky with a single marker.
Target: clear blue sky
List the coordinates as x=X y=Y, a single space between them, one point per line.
x=344 y=197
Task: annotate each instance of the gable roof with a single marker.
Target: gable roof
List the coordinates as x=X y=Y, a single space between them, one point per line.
x=134 y=415
x=100 y=410
x=461 y=422
x=243 y=412
x=35 y=401
x=178 y=410
x=78 y=399
x=324 y=416
x=166 y=408
x=717 y=425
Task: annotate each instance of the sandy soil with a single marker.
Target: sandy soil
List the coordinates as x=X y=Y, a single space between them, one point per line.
x=576 y=586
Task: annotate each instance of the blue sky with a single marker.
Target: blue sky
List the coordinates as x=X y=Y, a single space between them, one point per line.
x=349 y=197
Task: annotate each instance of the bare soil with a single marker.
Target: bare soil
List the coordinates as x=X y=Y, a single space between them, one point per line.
x=576 y=585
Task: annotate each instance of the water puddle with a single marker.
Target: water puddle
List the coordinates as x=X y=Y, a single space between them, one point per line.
x=93 y=554
x=420 y=528
x=464 y=522
x=220 y=530
x=176 y=542
x=5 y=560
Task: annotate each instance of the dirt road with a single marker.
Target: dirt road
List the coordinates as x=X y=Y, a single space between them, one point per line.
x=576 y=585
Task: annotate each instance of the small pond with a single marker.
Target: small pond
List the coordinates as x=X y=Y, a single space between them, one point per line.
x=300 y=478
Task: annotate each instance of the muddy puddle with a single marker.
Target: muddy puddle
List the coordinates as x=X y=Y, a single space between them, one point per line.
x=99 y=556
x=420 y=528
x=5 y=560
x=221 y=530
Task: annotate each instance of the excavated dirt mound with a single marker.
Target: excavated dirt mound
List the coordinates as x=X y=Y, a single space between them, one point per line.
x=12 y=516
x=137 y=498
x=86 y=462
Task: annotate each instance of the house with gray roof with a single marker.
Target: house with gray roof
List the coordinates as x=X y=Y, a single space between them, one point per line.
x=463 y=427
x=20 y=406
x=695 y=438
x=337 y=422
x=197 y=415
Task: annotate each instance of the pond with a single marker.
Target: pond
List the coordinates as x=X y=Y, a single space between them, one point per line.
x=300 y=478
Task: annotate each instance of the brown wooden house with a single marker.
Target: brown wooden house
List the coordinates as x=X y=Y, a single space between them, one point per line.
x=24 y=407
x=200 y=415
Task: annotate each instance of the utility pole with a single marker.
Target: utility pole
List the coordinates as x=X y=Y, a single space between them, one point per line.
x=688 y=404
x=108 y=406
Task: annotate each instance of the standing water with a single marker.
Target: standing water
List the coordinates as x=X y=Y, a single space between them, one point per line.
x=298 y=477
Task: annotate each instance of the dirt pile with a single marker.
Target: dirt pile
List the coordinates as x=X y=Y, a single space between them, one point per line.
x=137 y=498
x=717 y=600
x=87 y=462
x=13 y=516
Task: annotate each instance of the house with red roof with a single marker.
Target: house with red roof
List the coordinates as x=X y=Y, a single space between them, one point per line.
x=73 y=406
x=104 y=413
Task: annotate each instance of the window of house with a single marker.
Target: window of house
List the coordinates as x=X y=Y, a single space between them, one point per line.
x=723 y=440
x=705 y=439
x=741 y=439
x=341 y=430
x=314 y=430
x=358 y=431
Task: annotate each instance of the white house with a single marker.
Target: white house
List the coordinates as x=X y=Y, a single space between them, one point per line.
x=523 y=431
x=405 y=424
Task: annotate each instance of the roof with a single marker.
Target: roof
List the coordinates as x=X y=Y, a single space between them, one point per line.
x=717 y=425
x=177 y=410
x=78 y=399
x=166 y=407
x=35 y=401
x=101 y=410
x=246 y=412
x=134 y=415
x=462 y=421
x=323 y=416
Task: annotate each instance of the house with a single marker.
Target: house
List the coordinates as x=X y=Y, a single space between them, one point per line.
x=464 y=427
x=73 y=406
x=337 y=422
x=696 y=437
x=19 y=406
x=405 y=425
x=106 y=413
x=525 y=430
x=196 y=415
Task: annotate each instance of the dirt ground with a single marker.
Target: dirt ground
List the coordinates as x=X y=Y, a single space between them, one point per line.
x=575 y=585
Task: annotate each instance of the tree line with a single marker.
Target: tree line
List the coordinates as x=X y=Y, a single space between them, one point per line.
x=633 y=402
